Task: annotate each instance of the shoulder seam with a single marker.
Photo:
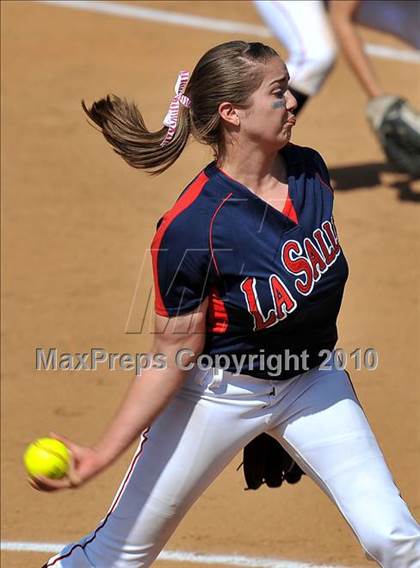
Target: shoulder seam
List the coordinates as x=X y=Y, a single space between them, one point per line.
x=211 y=230
x=183 y=203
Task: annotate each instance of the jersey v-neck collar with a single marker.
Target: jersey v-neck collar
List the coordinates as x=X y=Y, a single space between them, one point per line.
x=288 y=211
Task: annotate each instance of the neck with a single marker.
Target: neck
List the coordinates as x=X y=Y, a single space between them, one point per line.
x=253 y=166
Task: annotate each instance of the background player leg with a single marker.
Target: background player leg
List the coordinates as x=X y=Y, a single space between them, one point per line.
x=304 y=30
x=325 y=429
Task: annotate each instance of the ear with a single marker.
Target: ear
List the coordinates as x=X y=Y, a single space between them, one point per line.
x=229 y=114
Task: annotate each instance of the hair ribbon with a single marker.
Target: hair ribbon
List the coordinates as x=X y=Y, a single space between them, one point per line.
x=171 y=118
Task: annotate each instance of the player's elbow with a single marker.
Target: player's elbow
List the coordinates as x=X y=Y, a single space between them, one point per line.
x=184 y=332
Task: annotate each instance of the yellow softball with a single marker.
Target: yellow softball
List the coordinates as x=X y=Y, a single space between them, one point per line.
x=47 y=457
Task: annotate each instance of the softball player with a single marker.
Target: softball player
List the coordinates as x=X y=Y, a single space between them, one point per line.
x=309 y=29
x=306 y=27
x=247 y=264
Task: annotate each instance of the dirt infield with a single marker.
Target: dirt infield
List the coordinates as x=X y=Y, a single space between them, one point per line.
x=76 y=223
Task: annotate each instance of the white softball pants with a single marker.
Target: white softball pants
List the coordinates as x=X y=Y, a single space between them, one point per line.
x=304 y=30
x=303 y=27
x=318 y=419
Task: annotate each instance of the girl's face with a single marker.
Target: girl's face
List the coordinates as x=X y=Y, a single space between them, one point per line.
x=269 y=119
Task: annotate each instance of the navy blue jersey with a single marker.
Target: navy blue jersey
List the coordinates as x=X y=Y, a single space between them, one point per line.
x=274 y=280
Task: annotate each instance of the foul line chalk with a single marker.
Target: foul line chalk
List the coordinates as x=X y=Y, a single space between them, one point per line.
x=180 y=556
x=211 y=24
x=165 y=16
x=386 y=52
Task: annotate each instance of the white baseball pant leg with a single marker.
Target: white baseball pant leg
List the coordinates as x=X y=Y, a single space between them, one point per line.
x=317 y=417
x=303 y=28
x=330 y=438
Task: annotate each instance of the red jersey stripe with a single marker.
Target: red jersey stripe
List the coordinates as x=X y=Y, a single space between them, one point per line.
x=211 y=230
x=189 y=195
x=289 y=210
x=218 y=320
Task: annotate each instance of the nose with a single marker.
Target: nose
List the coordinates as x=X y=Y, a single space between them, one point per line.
x=291 y=102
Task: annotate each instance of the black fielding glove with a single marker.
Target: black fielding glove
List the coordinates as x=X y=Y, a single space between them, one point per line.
x=266 y=461
x=397 y=127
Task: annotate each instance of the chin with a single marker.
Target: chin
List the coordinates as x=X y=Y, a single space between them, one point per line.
x=281 y=140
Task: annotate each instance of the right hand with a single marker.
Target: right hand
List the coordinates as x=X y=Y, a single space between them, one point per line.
x=85 y=463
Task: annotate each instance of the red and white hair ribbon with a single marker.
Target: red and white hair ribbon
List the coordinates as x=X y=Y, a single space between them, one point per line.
x=171 y=118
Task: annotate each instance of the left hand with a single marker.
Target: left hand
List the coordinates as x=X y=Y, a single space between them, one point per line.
x=397 y=126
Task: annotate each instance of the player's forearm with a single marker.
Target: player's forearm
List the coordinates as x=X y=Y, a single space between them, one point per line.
x=149 y=393
x=146 y=397
x=352 y=47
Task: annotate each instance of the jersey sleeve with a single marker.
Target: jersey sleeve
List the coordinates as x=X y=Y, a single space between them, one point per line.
x=321 y=167
x=181 y=265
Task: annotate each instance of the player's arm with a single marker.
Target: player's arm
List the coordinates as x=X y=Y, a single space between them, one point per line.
x=342 y=14
x=146 y=397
